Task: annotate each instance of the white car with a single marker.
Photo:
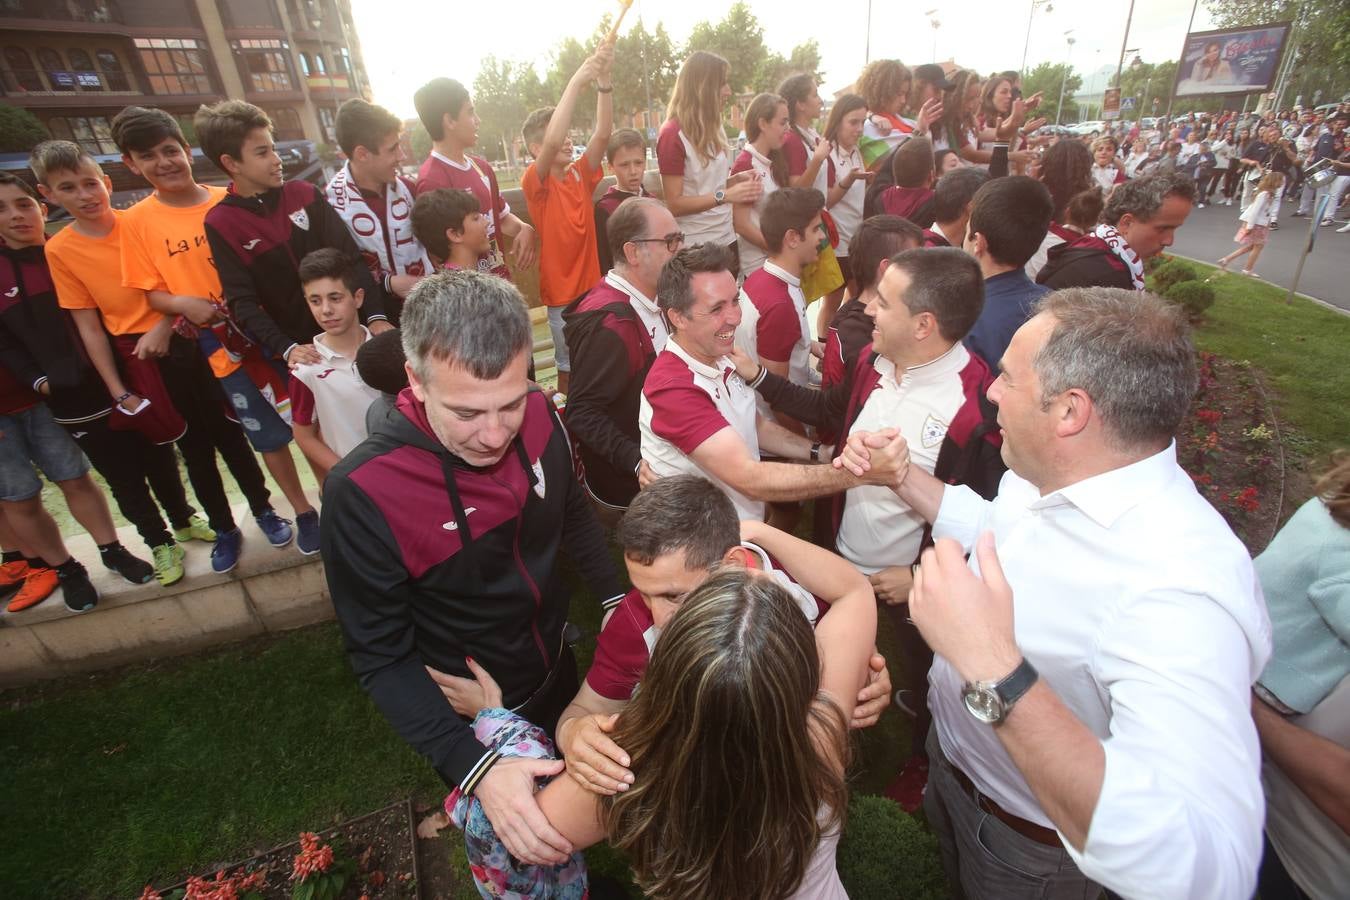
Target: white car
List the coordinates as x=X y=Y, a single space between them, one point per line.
x=1092 y=127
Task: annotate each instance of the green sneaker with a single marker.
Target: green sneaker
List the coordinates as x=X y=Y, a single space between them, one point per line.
x=168 y=563
x=197 y=530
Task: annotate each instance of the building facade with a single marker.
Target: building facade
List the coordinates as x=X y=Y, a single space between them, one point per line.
x=75 y=63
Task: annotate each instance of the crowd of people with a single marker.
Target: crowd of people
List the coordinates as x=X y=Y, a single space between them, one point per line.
x=982 y=417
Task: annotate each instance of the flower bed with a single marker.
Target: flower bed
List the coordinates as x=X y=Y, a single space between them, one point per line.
x=1232 y=448
x=367 y=858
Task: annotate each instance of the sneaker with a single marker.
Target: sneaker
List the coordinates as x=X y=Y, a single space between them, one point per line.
x=908 y=787
x=1328 y=221
x=1200 y=205
x=1274 y=226
x=168 y=563
x=119 y=559
x=198 y=529
x=78 y=590
x=904 y=700
x=12 y=575
x=307 y=526
x=225 y=553
x=1302 y=215
x=1344 y=229
x=278 y=530
x=37 y=586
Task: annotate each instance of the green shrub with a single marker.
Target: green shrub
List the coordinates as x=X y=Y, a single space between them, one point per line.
x=1193 y=296
x=886 y=854
x=20 y=130
x=1173 y=271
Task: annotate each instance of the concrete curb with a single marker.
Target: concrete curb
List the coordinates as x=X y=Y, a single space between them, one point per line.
x=1299 y=294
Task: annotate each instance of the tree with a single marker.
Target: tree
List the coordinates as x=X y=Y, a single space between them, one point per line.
x=805 y=57
x=503 y=94
x=642 y=60
x=20 y=130
x=1320 y=39
x=1147 y=82
x=739 y=38
x=1047 y=78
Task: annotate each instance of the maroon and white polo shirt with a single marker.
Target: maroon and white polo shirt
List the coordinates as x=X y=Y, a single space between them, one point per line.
x=685 y=402
x=773 y=324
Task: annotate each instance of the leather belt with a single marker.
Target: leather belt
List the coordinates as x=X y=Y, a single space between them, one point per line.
x=1030 y=830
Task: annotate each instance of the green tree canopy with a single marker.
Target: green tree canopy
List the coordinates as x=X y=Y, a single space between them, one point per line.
x=504 y=92
x=1047 y=78
x=738 y=38
x=20 y=130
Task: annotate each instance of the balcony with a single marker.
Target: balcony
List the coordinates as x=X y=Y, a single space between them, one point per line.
x=317 y=84
x=95 y=12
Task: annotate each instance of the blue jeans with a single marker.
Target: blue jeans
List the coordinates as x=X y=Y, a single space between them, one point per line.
x=984 y=858
x=262 y=424
x=32 y=438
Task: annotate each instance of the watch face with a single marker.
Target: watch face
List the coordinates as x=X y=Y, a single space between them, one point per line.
x=983 y=703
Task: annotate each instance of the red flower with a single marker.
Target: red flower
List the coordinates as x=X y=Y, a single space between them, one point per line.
x=1247 y=500
x=313 y=857
x=1202 y=479
x=150 y=894
x=1210 y=417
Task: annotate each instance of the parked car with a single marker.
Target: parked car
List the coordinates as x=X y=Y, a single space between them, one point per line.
x=1093 y=127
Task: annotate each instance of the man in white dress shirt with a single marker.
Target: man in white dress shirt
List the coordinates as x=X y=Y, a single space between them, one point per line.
x=1095 y=731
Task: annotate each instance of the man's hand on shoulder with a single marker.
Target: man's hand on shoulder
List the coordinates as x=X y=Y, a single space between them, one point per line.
x=507 y=795
x=595 y=762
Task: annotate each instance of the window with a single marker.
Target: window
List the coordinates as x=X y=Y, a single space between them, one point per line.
x=174 y=66
x=305 y=64
x=263 y=64
x=326 y=123
x=286 y=124
x=93 y=133
x=343 y=63
x=82 y=66
x=320 y=66
x=23 y=75
x=113 y=73
x=58 y=76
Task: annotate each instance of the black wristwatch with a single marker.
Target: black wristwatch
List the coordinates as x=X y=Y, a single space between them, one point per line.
x=991 y=701
x=815 y=452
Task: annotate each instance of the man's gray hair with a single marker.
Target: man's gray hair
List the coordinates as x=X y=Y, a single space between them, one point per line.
x=1144 y=196
x=1130 y=351
x=473 y=320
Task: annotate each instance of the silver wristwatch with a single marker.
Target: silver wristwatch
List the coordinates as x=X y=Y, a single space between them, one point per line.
x=991 y=701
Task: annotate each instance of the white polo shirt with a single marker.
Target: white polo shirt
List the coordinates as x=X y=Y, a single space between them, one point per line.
x=332 y=395
x=751 y=160
x=878 y=529
x=773 y=323
x=647 y=310
x=685 y=402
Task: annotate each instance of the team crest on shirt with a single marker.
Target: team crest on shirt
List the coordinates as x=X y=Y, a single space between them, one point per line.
x=933 y=432
x=301 y=219
x=539 y=485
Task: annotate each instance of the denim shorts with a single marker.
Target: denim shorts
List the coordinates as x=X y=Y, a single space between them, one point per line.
x=32 y=438
x=263 y=426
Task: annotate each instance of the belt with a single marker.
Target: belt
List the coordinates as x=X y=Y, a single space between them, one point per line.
x=1030 y=830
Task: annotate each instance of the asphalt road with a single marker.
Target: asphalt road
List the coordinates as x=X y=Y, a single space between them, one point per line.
x=1208 y=235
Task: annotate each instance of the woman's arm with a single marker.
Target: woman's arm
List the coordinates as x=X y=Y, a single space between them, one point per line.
x=573 y=811
x=745 y=227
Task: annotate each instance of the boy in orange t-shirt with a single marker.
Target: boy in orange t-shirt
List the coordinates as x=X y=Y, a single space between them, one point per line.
x=165 y=253
x=560 y=192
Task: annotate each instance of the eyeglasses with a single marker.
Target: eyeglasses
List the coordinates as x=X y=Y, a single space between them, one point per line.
x=672 y=241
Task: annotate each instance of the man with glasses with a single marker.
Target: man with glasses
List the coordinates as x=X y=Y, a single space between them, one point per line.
x=614 y=333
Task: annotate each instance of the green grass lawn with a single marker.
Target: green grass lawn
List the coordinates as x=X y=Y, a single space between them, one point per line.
x=150 y=773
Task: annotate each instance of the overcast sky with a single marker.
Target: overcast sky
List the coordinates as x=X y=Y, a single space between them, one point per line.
x=408 y=42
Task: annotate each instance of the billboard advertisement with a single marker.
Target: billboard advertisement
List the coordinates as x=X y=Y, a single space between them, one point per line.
x=1111 y=103
x=1231 y=60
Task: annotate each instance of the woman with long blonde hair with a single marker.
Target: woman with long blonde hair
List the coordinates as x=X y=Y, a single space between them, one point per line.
x=694 y=157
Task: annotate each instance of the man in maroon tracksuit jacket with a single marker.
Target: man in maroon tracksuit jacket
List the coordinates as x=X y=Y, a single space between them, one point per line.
x=614 y=333
x=441 y=538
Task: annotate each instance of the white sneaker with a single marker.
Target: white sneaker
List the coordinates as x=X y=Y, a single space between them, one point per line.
x=1199 y=206
x=1328 y=221
x=1344 y=229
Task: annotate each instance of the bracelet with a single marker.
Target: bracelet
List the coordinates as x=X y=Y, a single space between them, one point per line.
x=125 y=395
x=604 y=90
x=815 y=452
x=758 y=379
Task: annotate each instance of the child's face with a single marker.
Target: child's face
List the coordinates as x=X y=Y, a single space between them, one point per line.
x=83 y=192
x=809 y=248
x=167 y=166
x=333 y=306
x=474 y=233
x=21 y=217
x=463 y=128
x=950 y=163
x=258 y=163
x=851 y=128
x=628 y=165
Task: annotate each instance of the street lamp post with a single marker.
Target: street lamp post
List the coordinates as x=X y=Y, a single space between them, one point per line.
x=1059 y=109
x=1049 y=8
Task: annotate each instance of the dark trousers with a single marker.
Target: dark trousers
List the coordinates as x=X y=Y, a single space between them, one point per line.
x=1230 y=179
x=197 y=396
x=915 y=660
x=547 y=705
x=133 y=467
x=1273 y=881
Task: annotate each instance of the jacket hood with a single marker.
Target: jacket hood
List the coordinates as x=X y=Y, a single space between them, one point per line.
x=405 y=422
x=1062 y=255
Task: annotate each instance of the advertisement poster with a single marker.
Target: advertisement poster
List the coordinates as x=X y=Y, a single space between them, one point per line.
x=1231 y=61
x=1111 y=104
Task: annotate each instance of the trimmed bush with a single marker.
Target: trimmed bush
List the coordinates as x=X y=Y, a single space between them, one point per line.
x=1193 y=296
x=887 y=854
x=1173 y=271
x=20 y=130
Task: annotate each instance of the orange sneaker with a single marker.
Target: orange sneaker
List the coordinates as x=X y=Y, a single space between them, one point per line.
x=38 y=586
x=12 y=573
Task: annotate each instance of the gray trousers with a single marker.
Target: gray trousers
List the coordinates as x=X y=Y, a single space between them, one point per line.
x=985 y=859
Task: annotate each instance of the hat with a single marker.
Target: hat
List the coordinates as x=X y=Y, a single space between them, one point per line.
x=932 y=73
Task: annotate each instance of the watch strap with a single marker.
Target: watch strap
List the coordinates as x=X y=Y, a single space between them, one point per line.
x=1017 y=682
